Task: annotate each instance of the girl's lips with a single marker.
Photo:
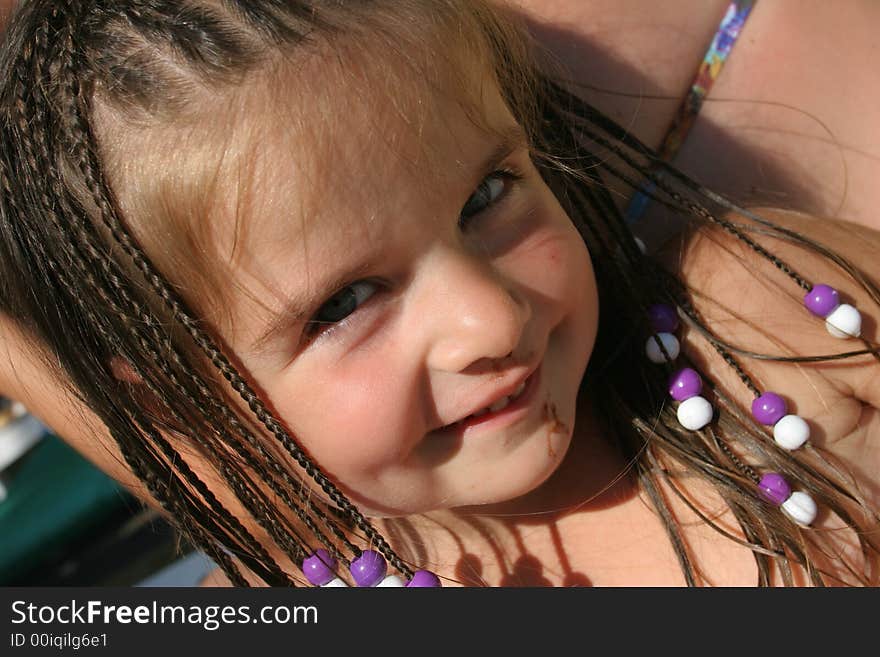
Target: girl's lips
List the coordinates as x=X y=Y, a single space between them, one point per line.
x=514 y=411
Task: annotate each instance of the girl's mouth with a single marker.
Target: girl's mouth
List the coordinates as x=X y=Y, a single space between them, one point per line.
x=503 y=412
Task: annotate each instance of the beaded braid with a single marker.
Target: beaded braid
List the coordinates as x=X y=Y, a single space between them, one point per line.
x=660 y=348
x=585 y=121
x=170 y=454
x=204 y=397
x=786 y=443
x=721 y=446
x=88 y=163
x=595 y=196
x=79 y=263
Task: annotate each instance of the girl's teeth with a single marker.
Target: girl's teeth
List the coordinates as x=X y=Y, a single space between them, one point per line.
x=501 y=403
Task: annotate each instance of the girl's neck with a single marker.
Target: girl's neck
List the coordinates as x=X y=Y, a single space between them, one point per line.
x=586 y=525
x=520 y=539
x=592 y=475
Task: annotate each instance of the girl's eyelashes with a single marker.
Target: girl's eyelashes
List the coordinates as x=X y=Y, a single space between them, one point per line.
x=488 y=193
x=333 y=313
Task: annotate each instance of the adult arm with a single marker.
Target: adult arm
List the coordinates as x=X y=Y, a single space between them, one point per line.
x=793 y=120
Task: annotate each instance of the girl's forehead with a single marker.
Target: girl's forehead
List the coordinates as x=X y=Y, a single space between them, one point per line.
x=355 y=144
x=370 y=141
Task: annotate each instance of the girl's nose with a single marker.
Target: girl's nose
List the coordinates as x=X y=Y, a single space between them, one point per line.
x=471 y=312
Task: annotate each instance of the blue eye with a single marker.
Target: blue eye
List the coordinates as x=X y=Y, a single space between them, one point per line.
x=487 y=193
x=341 y=305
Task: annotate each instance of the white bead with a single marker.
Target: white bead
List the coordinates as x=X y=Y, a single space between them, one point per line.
x=641 y=245
x=335 y=583
x=800 y=507
x=844 y=322
x=695 y=413
x=791 y=431
x=392 y=581
x=670 y=342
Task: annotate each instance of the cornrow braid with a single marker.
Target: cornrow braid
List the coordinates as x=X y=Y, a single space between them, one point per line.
x=77 y=262
x=104 y=200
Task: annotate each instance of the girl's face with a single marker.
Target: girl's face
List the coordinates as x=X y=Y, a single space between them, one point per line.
x=410 y=271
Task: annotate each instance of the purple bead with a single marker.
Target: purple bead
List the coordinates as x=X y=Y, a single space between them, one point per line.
x=821 y=300
x=684 y=384
x=424 y=579
x=769 y=408
x=319 y=568
x=774 y=488
x=368 y=569
x=663 y=318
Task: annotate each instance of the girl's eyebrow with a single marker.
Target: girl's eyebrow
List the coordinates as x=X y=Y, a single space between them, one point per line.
x=296 y=309
x=507 y=141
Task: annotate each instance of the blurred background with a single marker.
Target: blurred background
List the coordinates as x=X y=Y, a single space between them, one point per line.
x=65 y=523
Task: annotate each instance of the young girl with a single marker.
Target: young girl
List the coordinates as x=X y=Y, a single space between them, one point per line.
x=346 y=285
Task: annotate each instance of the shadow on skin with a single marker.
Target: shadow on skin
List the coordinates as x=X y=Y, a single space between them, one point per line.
x=588 y=480
x=743 y=174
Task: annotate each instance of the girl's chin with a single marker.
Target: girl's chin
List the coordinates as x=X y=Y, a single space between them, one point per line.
x=503 y=483
x=519 y=487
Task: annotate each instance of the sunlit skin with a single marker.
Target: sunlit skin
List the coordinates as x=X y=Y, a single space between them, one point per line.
x=449 y=308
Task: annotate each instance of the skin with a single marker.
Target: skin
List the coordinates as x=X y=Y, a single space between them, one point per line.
x=574 y=526
x=795 y=111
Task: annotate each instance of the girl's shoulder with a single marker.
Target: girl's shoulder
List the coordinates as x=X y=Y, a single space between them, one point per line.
x=813 y=247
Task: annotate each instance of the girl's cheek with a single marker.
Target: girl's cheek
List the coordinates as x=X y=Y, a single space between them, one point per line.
x=555 y=259
x=555 y=251
x=354 y=417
